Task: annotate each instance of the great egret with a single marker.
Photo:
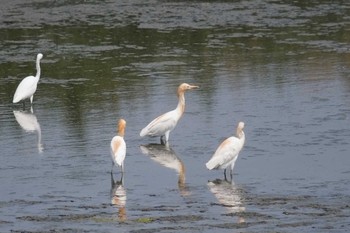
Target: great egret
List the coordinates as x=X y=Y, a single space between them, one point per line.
x=28 y=85
x=227 y=153
x=118 y=146
x=164 y=124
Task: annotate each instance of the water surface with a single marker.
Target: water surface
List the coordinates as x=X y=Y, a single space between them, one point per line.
x=281 y=67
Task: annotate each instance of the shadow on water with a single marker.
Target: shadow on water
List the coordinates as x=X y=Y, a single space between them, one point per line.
x=229 y=195
x=118 y=197
x=28 y=121
x=166 y=156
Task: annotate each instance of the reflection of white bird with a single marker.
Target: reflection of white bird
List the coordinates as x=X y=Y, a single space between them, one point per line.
x=118 y=146
x=28 y=85
x=164 y=124
x=166 y=156
x=29 y=122
x=227 y=153
x=118 y=197
x=228 y=195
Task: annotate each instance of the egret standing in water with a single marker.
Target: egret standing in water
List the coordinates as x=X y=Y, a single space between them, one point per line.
x=164 y=124
x=28 y=85
x=227 y=153
x=118 y=146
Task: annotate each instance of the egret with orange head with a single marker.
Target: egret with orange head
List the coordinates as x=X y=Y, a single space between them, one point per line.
x=164 y=124
x=118 y=146
x=227 y=153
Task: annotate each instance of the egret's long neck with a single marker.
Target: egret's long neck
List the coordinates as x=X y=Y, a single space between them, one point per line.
x=38 y=70
x=121 y=131
x=181 y=105
x=241 y=135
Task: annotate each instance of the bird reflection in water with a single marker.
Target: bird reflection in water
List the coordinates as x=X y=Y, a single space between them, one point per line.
x=28 y=121
x=167 y=157
x=230 y=196
x=118 y=197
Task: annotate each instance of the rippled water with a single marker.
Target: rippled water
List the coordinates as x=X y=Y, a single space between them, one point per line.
x=281 y=67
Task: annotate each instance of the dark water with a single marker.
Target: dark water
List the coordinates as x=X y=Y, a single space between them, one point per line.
x=282 y=67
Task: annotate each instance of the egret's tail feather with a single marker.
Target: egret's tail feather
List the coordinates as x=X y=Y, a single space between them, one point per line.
x=210 y=164
x=143 y=132
x=16 y=99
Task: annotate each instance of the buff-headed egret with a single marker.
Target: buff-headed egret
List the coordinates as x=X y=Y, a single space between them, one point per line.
x=164 y=124
x=118 y=146
x=28 y=85
x=227 y=153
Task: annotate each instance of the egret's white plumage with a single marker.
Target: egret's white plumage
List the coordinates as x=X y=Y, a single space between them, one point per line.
x=164 y=124
x=118 y=146
x=28 y=85
x=227 y=153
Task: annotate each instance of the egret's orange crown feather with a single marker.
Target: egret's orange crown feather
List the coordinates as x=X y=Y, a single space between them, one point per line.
x=121 y=127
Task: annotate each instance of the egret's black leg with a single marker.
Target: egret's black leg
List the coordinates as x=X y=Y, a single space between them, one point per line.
x=112 y=178
x=122 y=179
x=162 y=140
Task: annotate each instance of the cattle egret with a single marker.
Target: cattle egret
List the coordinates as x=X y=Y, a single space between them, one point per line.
x=28 y=85
x=118 y=146
x=164 y=124
x=227 y=153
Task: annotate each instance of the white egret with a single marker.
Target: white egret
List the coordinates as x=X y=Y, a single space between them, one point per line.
x=164 y=124
x=28 y=85
x=227 y=153
x=118 y=146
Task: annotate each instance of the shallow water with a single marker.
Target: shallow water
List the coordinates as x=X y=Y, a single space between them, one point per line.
x=282 y=68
